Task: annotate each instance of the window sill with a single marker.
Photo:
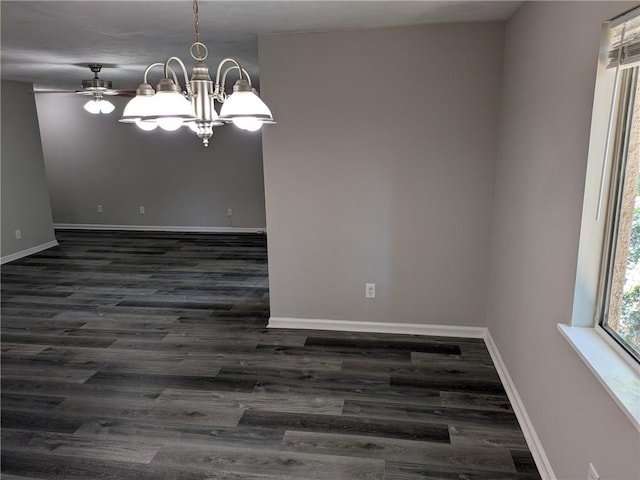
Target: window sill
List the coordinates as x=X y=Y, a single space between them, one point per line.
x=619 y=378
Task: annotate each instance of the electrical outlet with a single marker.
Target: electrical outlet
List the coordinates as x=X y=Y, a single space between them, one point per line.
x=370 y=290
x=142 y=210
x=592 y=475
x=18 y=234
x=99 y=208
x=229 y=212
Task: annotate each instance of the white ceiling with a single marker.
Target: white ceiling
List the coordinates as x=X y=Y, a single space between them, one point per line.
x=49 y=43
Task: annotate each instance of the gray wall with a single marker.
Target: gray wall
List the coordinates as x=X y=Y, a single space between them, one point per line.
x=550 y=68
x=381 y=170
x=94 y=159
x=25 y=198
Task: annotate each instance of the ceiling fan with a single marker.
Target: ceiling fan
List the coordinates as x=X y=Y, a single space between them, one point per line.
x=92 y=86
x=98 y=89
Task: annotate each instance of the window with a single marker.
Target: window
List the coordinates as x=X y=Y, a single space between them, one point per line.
x=619 y=311
x=606 y=305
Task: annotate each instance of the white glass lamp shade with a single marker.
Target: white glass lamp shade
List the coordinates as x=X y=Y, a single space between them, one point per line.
x=106 y=106
x=147 y=126
x=248 y=123
x=246 y=106
x=138 y=107
x=99 y=105
x=170 y=110
x=92 y=106
x=170 y=124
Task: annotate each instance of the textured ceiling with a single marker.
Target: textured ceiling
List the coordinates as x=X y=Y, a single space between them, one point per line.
x=49 y=43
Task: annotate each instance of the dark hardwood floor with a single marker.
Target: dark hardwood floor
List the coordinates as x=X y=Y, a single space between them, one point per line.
x=145 y=356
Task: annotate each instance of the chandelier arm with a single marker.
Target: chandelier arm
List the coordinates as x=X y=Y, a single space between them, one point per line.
x=218 y=92
x=159 y=64
x=222 y=62
x=224 y=75
x=184 y=73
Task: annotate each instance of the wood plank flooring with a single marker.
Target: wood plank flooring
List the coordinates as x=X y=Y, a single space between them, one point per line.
x=130 y=355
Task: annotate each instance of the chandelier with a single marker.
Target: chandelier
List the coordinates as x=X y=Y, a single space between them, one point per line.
x=170 y=106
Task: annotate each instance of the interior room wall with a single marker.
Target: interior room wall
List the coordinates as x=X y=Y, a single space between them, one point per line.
x=380 y=170
x=25 y=198
x=550 y=69
x=95 y=160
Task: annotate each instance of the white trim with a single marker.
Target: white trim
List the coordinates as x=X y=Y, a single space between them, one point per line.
x=619 y=378
x=530 y=435
x=158 y=228
x=376 y=327
x=27 y=252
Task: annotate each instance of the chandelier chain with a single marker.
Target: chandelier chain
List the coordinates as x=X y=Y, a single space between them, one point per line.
x=196 y=26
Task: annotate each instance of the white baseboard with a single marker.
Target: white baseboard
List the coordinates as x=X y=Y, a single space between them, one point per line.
x=27 y=252
x=377 y=327
x=530 y=435
x=158 y=228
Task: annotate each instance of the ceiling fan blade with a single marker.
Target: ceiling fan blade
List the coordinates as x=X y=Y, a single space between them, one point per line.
x=93 y=87
x=52 y=90
x=121 y=92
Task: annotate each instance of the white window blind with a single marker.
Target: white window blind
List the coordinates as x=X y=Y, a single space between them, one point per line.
x=623 y=48
x=624 y=40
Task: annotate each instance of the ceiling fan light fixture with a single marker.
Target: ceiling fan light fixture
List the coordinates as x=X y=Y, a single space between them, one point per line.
x=92 y=107
x=106 y=106
x=99 y=105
